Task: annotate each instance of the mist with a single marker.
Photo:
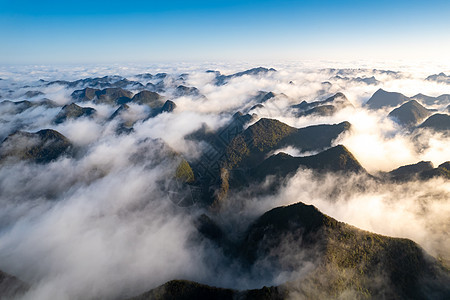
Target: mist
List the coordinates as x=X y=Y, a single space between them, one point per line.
x=100 y=223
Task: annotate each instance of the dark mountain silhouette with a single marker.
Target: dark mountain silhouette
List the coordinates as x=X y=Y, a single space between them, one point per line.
x=124 y=126
x=428 y=100
x=367 y=80
x=223 y=79
x=335 y=159
x=442 y=171
x=152 y=99
x=41 y=147
x=73 y=111
x=144 y=76
x=169 y=106
x=441 y=78
x=409 y=113
x=118 y=111
x=257 y=106
x=437 y=122
x=249 y=148
x=219 y=139
x=345 y=258
x=17 y=107
x=31 y=94
x=99 y=83
x=243 y=151
x=420 y=171
x=326 y=107
x=381 y=99
x=182 y=90
x=409 y=172
x=113 y=96
x=322 y=110
x=262 y=96
x=342 y=260
x=86 y=94
x=11 y=287
x=187 y=290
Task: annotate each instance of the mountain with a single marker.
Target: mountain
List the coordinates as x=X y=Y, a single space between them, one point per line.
x=428 y=100
x=249 y=148
x=326 y=107
x=124 y=126
x=410 y=172
x=343 y=260
x=17 y=107
x=113 y=96
x=41 y=147
x=410 y=113
x=437 y=122
x=440 y=78
x=422 y=170
x=335 y=159
x=87 y=94
x=223 y=79
x=367 y=80
x=32 y=94
x=114 y=81
x=152 y=99
x=182 y=90
x=117 y=112
x=382 y=98
x=327 y=259
x=187 y=290
x=232 y=147
x=73 y=111
x=220 y=138
x=442 y=171
x=169 y=106
x=322 y=110
x=262 y=96
x=11 y=287
x=225 y=168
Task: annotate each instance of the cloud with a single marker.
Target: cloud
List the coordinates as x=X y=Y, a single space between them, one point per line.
x=101 y=224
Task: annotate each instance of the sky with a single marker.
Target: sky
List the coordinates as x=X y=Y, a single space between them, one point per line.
x=42 y=32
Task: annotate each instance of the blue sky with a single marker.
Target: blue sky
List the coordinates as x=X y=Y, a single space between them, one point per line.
x=151 y=31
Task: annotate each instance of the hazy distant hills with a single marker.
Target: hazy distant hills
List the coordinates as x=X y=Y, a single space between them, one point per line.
x=428 y=100
x=223 y=79
x=440 y=78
